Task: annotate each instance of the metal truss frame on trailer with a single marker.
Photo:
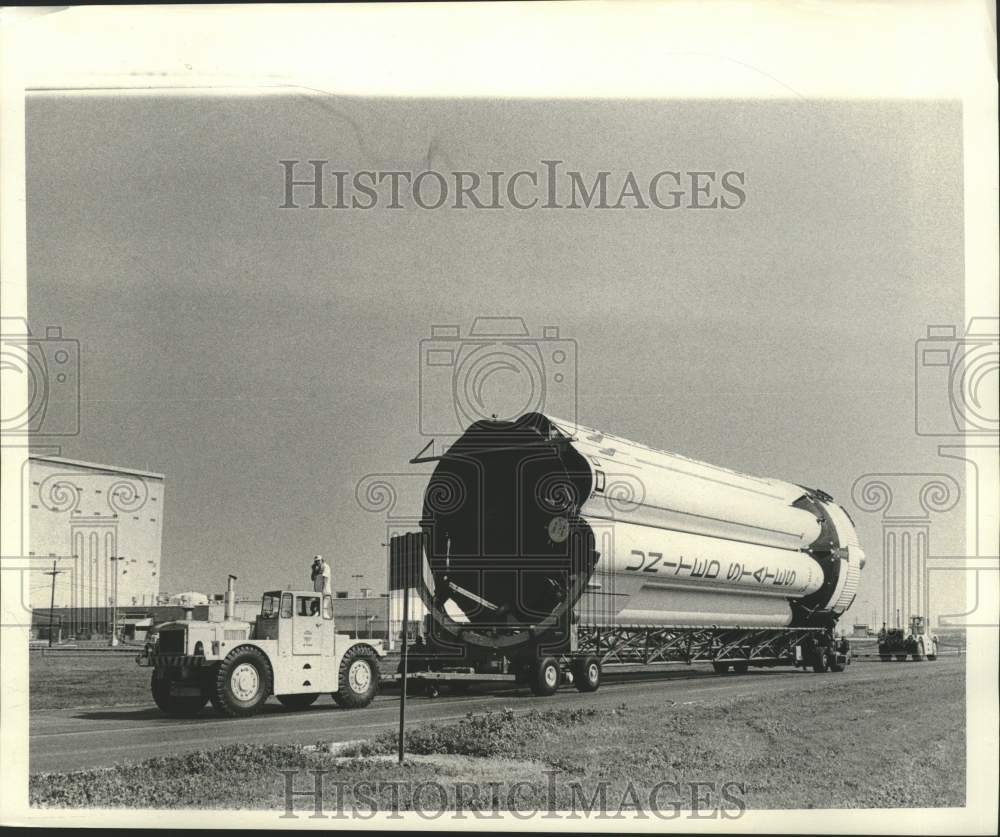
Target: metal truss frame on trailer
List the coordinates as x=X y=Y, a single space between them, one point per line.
x=637 y=644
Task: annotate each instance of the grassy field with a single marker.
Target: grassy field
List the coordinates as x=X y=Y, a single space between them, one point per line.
x=71 y=681
x=890 y=744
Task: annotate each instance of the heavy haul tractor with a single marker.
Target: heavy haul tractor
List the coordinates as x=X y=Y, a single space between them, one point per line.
x=291 y=650
x=919 y=643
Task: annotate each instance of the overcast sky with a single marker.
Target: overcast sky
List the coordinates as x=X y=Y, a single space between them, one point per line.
x=267 y=360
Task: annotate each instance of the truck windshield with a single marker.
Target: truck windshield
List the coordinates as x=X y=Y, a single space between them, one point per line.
x=269 y=605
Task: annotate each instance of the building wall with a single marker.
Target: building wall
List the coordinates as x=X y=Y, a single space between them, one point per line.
x=81 y=516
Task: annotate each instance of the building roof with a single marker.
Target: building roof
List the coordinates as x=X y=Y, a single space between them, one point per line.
x=95 y=466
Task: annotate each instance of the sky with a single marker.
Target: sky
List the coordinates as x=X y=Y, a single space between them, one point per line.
x=267 y=360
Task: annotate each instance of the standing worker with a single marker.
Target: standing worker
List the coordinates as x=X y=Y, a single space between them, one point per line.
x=320 y=575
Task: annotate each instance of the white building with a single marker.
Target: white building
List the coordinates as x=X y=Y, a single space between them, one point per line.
x=92 y=520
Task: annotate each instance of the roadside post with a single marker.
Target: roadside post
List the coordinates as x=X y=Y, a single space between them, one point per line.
x=52 y=601
x=406 y=560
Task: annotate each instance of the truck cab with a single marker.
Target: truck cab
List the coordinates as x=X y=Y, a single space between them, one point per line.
x=919 y=643
x=291 y=650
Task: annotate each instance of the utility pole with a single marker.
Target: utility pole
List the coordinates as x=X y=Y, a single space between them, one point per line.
x=405 y=656
x=114 y=609
x=52 y=599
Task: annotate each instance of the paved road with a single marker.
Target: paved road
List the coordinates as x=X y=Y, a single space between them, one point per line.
x=74 y=739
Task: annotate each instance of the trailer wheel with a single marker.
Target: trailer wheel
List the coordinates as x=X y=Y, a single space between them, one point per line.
x=587 y=674
x=244 y=682
x=741 y=668
x=885 y=657
x=176 y=706
x=835 y=666
x=359 y=678
x=820 y=665
x=900 y=658
x=545 y=677
x=720 y=668
x=297 y=701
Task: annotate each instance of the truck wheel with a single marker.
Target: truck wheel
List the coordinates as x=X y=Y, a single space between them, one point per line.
x=176 y=706
x=244 y=682
x=741 y=668
x=587 y=674
x=297 y=701
x=545 y=677
x=900 y=658
x=359 y=678
x=835 y=666
x=720 y=668
x=820 y=662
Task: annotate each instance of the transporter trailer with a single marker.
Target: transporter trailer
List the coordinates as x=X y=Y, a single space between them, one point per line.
x=290 y=650
x=605 y=650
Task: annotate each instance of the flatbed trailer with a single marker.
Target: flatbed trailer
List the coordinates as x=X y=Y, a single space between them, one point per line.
x=592 y=648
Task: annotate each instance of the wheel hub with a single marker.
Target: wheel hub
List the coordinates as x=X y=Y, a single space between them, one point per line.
x=551 y=676
x=359 y=676
x=245 y=682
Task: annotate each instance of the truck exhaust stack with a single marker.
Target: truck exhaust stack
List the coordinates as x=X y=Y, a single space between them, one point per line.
x=230 y=597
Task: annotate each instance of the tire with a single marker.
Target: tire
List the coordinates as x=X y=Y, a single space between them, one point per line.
x=932 y=657
x=885 y=657
x=244 y=682
x=820 y=663
x=741 y=668
x=545 y=677
x=358 y=681
x=901 y=658
x=837 y=667
x=297 y=701
x=587 y=674
x=176 y=706
x=720 y=668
